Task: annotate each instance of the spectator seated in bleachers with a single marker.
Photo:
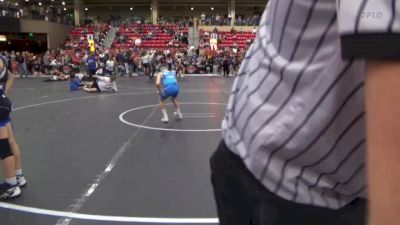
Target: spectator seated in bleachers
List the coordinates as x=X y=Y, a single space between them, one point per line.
x=228 y=40
x=147 y=36
x=58 y=75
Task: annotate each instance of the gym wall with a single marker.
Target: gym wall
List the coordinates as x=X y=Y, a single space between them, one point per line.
x=56 y=32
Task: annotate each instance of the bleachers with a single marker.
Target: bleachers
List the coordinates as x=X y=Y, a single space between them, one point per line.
x=82 y=31
x=151 y=36
x=228 y=39
x=79 y=35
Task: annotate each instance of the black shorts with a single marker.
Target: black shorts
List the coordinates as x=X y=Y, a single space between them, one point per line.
x=242 y=199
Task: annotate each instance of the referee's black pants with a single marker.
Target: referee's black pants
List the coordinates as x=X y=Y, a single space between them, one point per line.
x=243 y=200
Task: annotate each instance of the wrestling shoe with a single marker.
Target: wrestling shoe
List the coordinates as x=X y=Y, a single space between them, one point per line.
x=178 y=116
x=21 y=181
x=8 y=191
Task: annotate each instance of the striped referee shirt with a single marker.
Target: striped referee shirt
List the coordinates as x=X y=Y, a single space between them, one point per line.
x=296 y=115
x=3 y=74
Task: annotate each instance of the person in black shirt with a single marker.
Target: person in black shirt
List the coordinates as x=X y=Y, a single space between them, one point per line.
x=125 y=61
x=22 y=69
x=225 y=66
x=210 y=64
x=130 y=62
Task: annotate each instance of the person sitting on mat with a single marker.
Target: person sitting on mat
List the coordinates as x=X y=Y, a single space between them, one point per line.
x=168 y=86
x=101 y=84
x=57 y=75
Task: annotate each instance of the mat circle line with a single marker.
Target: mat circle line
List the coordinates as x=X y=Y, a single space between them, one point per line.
x=123 y=120
x=66 y=214
x=71 y=215
x=97 y=96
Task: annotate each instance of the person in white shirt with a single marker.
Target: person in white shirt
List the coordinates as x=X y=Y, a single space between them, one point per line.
x=138 y=42
x=145 y=63
x=101 y=84
x=203 y=18
x=217 y=18
x=229 y=19
x=110 y=67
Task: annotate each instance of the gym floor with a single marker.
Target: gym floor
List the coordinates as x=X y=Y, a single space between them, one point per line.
x=106 y=159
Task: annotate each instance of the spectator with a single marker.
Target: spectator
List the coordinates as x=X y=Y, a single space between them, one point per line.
x=22 y=69
x=76 y=60
x=215 y=30
x=57 y=75
x=225 y=65
x=135 y=58
x=102 y=59
x=235 y=47
x=146 y=63
x=110 y=66
x=91 y=65
x=154 y=64
x=170 y=61
x=210 y=64
x=185 y=39
x=239 y=21
x=38 y=68
x=12 y=56
x=217 y=64
x=125 y=61
x=130 y=62
x=14 y=66
x=203 y=18
x=30 y=59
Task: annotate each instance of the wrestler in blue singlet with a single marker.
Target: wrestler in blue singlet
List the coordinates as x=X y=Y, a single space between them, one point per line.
x=170 y=85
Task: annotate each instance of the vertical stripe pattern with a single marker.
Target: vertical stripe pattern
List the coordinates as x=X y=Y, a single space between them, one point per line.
x=296 y=115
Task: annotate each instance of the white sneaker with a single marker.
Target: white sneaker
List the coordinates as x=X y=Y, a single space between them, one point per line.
x=8 y=191
x=21 y=181
x=164 y=120
x=178 y=116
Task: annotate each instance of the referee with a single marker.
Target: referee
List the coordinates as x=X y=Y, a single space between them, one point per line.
x=314 y=107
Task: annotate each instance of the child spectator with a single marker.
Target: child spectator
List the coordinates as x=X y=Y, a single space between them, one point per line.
x=110 y=67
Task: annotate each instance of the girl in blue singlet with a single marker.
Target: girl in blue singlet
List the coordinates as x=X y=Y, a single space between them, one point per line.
x=168 y=86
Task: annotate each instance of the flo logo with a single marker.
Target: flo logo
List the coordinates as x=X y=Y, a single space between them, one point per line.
x=372 y=15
